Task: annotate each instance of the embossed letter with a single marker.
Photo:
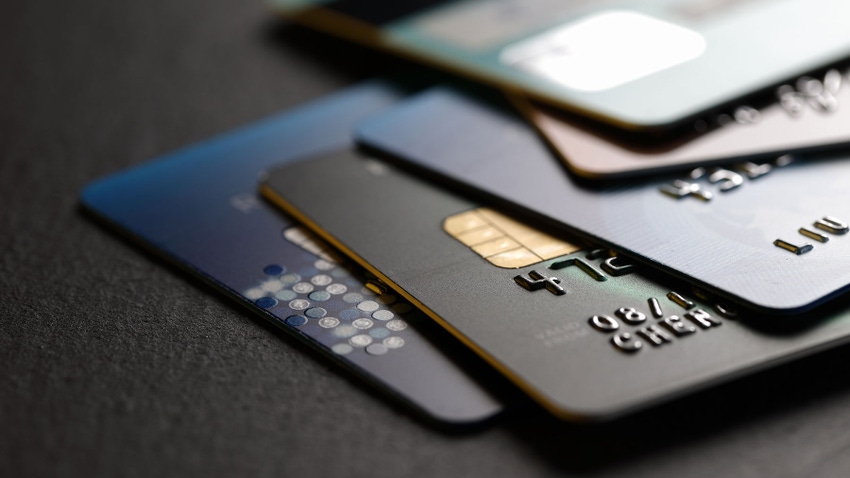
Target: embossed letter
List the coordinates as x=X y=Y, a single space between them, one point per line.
x=799 y=250
x=728 y=180
x=654 y=335
x=626 y=343
x=582 y=264
x=617 y=266
x=702 y=318
x=753 y=170
x=680 y=300
x=813 y=235
x=832 y=225
x=676 y=325
x=680 y=189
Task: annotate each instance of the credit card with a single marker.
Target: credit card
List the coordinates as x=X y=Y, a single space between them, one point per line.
x=587 y=333
x=771 y=236
x=199 y=209
x=638 y=64
x=805 y=118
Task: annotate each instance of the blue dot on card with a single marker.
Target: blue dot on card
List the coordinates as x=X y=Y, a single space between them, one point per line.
x=319 y=296
x=316 y=312
x=266 y=302
x=349 y=314
x=295 y=320
x=274 y=270
x=379 y=333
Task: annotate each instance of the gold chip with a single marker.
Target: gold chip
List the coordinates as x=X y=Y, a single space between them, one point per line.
x=514 y=259
x=548 y=247
x=515 y=229
x=463 y=222
x=498 y=246
x=480 y=235
x=503 y=241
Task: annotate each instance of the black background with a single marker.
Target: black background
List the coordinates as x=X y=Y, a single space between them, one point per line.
x=112 y=364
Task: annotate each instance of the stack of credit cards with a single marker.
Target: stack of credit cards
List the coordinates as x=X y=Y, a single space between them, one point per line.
x=198 y=208
x=651 y=201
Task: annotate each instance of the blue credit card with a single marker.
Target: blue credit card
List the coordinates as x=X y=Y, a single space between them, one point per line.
x=771 y=236
x=199 y=208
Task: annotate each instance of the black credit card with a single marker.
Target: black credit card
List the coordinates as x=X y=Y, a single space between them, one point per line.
x=198 y=208
x=589 y=334
x=771 y=236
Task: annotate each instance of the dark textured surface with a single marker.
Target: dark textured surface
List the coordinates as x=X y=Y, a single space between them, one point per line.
x=113 y=365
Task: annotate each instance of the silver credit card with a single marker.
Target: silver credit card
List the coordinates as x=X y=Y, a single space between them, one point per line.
x=771 y=236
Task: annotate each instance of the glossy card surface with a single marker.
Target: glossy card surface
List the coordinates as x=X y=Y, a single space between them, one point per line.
x=199 y=208
x=772 y=237
x=587 y=334
x=640 y=64
x=811 y=116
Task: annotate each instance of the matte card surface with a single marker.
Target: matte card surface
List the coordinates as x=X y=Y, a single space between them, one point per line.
x=588 y=334
x=771 y=236
x=641 y=64
x=199 y=208
x=805 y=118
